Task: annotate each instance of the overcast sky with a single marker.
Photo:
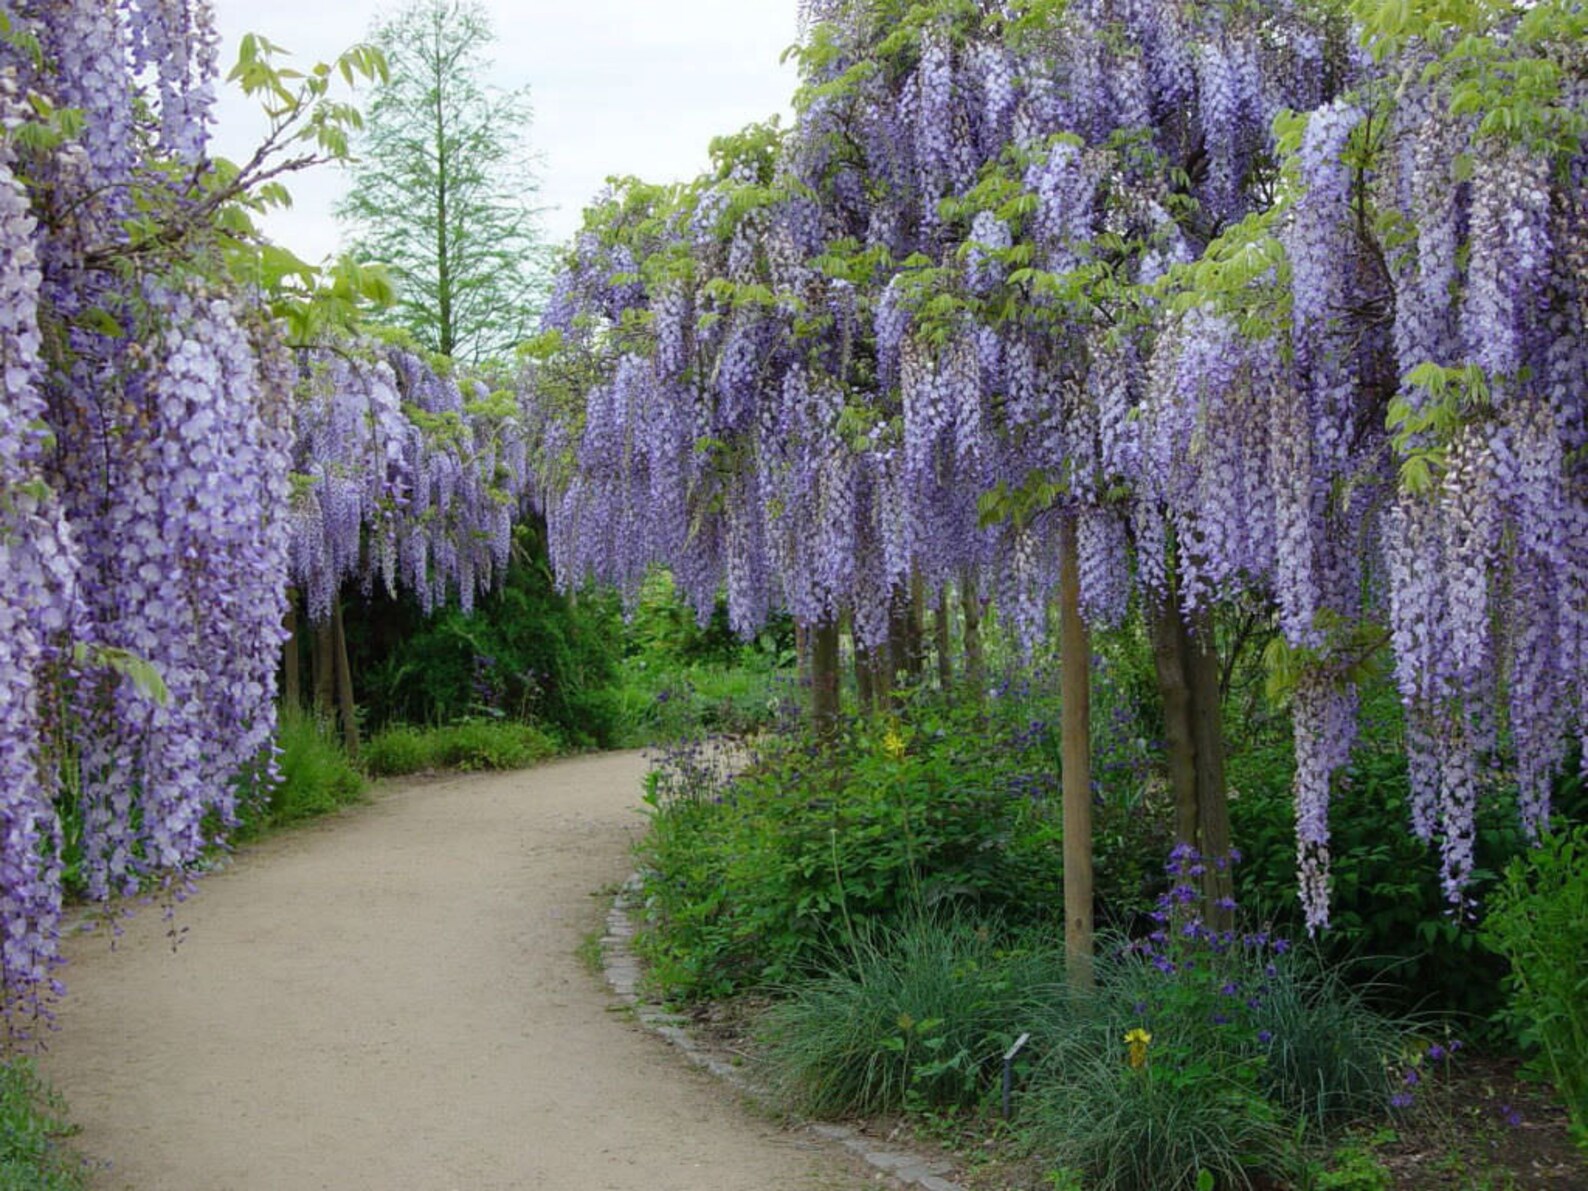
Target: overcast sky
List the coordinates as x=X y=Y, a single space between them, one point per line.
x=618 y=87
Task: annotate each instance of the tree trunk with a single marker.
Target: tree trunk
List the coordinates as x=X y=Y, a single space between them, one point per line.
x=1188 y=682
x=900 y=656
x=824 y=680
x=865 y=679
x=1076 y=755
x=1213 y=803
x=1174 y=689
x=915 y=631
x=802 y=655
x=945 y=642
x=975 y=665
x=344 y=683
x=882 y=675
x=292 y=667
x=325 y=670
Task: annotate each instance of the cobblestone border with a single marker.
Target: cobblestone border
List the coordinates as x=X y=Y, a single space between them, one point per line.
x=622 y=970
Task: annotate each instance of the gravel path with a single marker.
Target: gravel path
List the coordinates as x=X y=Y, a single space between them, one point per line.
x=392 y=1000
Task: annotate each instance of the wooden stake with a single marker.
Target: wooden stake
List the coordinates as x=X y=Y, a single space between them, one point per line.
x=1075 y=685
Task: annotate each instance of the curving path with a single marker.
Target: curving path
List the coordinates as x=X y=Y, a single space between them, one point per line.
x=392 y=1000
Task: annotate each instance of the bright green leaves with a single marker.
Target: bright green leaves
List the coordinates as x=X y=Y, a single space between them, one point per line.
x=1423 y=430
x=144 y=675
x=1244 y=275
x=298 y=102
x=1504 y=64
x=49 y=128
x=1354 y=651
x=335 y=298
x=1020 y=505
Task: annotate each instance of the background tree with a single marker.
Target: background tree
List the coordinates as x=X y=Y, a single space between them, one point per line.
x=442 y=188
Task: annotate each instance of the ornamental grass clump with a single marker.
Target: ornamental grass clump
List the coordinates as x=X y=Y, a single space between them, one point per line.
x=913 y=1015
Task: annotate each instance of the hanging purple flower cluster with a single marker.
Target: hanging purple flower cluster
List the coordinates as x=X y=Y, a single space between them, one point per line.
x=1486 y=545
x=38 y=609
x=400 y=474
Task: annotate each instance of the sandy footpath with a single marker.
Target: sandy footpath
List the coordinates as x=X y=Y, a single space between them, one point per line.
x=392 y=1000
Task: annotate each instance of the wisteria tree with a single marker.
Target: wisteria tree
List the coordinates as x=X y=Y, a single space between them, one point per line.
x=144 y=486
x=1118 y=292
x=161 y=361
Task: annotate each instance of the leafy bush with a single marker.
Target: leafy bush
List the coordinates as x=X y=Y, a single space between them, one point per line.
x=32 y=1126
x=527 y=654
x=943 y=805
x=471 y=746
x=1539 y=922
x=316 y=776
x=909 y=1015
x=661 y=702
x=743 y=879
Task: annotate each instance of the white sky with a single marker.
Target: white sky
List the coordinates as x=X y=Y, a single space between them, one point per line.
x=618 y=87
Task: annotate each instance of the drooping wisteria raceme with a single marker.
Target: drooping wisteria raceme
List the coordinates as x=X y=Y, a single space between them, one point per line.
x=401 y=475
x=142 y=479
x=1486 y=539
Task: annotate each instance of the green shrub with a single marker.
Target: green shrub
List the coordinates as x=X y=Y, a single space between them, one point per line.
x=471 y=746
x=1539 y=922
x=914 y=1015
x=32 y=1126
x=398 y=750
x=1354 y=1166
x=316 y=776
x=743 y=880
x=1388 y=910
x=661 y=702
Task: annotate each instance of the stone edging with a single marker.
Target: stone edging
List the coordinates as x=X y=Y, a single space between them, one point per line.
x=622 y=970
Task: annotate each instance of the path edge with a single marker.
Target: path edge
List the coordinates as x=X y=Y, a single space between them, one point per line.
x=621 y=967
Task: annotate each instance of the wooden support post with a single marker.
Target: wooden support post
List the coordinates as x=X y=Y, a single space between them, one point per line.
x=1076 y=755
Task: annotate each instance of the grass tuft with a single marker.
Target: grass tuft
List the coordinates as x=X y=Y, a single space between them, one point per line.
x=914 y=1015
x=472 y=746
x=316 y=778
x=32 y=1128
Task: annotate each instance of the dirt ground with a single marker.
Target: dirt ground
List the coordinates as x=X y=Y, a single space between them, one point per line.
x=393 y=999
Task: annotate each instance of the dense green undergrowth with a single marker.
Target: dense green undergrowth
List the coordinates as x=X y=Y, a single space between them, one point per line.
x=898 y=894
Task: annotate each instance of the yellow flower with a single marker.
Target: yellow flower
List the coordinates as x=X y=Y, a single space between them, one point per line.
x=893 y=744
x=1138 y=1040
